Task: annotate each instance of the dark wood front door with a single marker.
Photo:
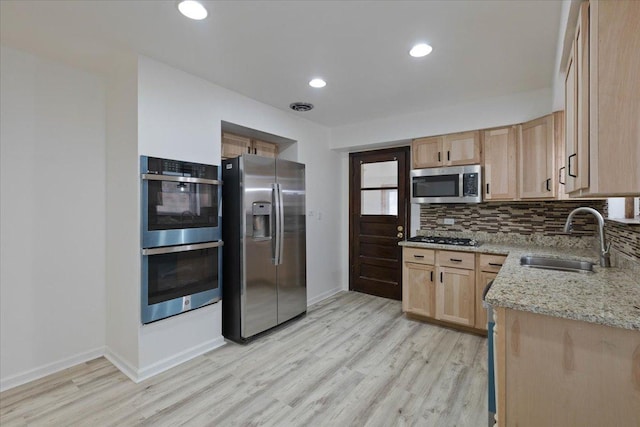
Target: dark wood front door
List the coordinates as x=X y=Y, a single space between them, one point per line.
x=378 y=218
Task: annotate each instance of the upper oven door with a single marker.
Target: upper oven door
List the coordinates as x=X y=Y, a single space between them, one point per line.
x=179 y=205
x=457 y=184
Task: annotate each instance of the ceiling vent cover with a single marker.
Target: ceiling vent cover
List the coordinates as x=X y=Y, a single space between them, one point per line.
x=301 y=106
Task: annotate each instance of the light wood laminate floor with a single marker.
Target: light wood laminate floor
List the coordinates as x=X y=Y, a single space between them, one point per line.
x=353 y=360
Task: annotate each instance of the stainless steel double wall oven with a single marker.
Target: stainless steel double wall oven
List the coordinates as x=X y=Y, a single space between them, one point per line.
x=181 y=246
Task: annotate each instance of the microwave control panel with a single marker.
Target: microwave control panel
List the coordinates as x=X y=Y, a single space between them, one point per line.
x=470 y=184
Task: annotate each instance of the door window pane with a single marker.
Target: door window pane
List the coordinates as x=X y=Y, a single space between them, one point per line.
x=379 y=202
x=381 y=174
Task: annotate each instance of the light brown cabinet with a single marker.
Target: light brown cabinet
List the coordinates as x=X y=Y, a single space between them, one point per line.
x=499 y=160
x=426 y=152
x=455 y=292
x=488 y=267
x=455 y=287
x=562 y=372
x=536 y=159
x=448 y=150
x=603 y=135
x=576 y=155
x=439 y=285
x=264 y=149
x=418 y=285
x=236 y=145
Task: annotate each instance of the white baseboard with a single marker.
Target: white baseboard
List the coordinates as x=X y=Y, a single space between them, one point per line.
x=122 y=364
x=48 y=369
x=177 y=359
x=324 y=296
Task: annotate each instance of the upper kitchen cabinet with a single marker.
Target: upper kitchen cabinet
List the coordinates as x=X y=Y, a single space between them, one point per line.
x=536 y=164
x=426 y=152
x=461 y=149
x=499 y=155
x=448 y=150
x=264 y=149
x=561 y=169
x=234 y=145
x=603 y=130
x=576 y=155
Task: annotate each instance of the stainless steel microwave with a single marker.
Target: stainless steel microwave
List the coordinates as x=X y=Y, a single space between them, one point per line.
x=454 y=184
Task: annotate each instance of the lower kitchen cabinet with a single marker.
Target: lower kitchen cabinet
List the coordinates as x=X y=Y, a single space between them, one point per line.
x=455 y=292
x=418 y=296
x=482 y=281
x=440 y=286
x=552 y=371
x=488 y=267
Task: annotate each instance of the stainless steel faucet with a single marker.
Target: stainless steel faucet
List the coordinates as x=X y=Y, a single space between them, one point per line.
x=605 y=256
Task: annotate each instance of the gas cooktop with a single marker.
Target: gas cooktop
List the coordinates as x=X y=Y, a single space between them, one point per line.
x=455 y=241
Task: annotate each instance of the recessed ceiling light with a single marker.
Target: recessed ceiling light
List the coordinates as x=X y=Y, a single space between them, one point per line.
x=317 y=83
x=420 y=50
x=192 y=9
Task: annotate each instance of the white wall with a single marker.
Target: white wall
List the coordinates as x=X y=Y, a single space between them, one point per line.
x=486 y=113
x=123 y=211
x=179 y=116
x=52 y=220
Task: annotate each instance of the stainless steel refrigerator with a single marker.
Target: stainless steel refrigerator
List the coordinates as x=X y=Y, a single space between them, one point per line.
x=264 y=258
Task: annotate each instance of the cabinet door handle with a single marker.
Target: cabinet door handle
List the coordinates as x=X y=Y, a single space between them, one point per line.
x=495 y=264
x=487 y=188
x=418 y=256
x=249 y=150
x=455 y=260
x=439 y=156
x=441 y=281
x=569 y=166
x=432 y=276
x=548 y=181
x=448 y=155
x=560 y=176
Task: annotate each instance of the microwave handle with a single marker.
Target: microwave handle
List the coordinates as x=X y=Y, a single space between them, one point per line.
x=181 y=248
x=189 y=179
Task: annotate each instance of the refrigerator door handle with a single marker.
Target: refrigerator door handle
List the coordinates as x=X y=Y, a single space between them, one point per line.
x=277 y=212
x=280 y=225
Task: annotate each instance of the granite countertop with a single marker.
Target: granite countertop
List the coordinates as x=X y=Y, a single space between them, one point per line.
x=608 y=296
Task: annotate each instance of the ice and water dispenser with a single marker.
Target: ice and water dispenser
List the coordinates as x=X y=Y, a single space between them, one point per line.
x=261 y=220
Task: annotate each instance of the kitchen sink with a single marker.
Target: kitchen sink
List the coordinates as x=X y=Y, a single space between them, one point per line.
x=556 y=264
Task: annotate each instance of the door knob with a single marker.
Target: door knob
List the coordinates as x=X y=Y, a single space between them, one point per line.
x=400 y=235
x=400 y=228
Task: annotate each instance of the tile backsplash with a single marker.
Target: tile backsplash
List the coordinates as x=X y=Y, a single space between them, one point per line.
x=624 y=238
x=526 y=220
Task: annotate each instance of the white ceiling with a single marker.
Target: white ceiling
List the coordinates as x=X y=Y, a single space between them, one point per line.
x=269 y=50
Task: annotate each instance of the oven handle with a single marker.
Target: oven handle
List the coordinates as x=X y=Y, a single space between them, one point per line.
x=181 y=248
x=189 y=179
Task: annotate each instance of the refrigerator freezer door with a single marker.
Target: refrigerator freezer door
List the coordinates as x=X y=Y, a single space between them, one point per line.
x=292 y=271
x=259 y=300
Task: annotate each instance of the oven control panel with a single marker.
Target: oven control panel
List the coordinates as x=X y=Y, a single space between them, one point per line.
x=180 y=168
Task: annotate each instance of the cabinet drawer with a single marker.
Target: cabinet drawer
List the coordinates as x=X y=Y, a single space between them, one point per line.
x=419 y=256
x=465 y=260
x=491 y=263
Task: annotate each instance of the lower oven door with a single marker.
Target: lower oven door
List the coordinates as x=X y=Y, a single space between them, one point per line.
x=176 y=279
